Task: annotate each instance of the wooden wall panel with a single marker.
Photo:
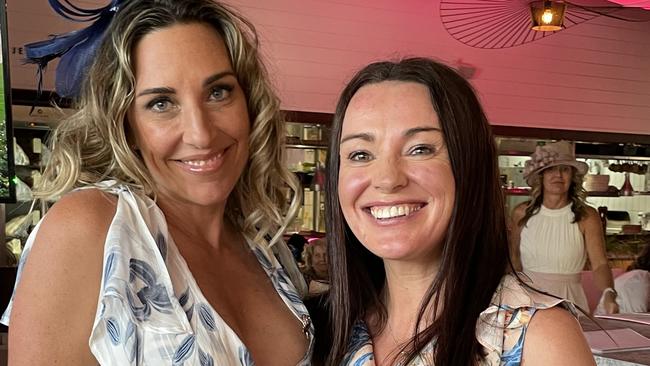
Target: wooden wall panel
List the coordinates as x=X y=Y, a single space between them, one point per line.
x=594 y=76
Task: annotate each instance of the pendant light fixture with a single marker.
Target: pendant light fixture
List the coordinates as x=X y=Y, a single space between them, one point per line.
x=547 y=16
x=496 y=24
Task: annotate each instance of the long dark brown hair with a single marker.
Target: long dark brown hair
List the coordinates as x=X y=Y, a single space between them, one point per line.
x=475 y=253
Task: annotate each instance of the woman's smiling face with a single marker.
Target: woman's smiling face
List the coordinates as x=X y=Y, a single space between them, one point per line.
x=396 y=185
x=189 y=118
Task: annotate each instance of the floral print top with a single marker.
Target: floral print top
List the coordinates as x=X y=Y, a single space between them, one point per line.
x=150 y=310
x=500 y=329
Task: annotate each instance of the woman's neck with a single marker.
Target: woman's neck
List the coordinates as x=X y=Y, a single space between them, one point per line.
x=198 y=223
x=555 y=201
x=406 y=286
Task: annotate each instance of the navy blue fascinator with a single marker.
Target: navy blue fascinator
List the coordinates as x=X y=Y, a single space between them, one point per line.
x=77 y=48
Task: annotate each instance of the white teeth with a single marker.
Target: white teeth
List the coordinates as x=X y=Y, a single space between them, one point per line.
x=387 y=212
x=198 y=163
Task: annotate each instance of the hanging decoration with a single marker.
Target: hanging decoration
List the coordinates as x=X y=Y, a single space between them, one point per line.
x=76 y=49
x=498 y=24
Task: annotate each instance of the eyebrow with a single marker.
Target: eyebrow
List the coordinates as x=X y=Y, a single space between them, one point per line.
x=167 y=90
x=409 y=133
x=217 y=76
x=415 y=130
x=363 y=136
x=160 y=90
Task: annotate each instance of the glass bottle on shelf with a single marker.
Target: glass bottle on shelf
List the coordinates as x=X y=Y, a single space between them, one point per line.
x=626 y=189
x=308 y=210
x=318 y=183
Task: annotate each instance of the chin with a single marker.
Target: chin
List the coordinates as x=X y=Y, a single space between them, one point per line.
x=402 y=249
x=206 y=198
x=393 y=252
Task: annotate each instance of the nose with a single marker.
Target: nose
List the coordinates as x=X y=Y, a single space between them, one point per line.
x=198 y=129
x=389 y=175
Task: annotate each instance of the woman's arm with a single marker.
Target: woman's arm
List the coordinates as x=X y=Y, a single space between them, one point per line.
x=514 y=236
x=554 y=337
x=56 y=299
x=595 y=244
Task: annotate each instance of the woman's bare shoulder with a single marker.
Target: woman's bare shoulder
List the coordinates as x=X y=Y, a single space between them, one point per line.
x=591 y=213
x=590 y=221
x=519 y=211
x=73 y=231
x=86 y=204
x=554 y=337
x=78 y=220
x=56 y=298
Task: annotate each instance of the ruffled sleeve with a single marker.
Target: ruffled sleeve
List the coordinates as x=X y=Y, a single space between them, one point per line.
x=136 y=304
x=501 y=328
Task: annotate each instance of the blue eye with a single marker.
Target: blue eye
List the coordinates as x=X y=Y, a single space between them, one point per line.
x=359 y=156
x=221 y=92
x=159 y=104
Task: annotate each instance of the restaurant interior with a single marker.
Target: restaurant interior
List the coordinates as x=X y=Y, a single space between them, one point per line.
x=544 y=71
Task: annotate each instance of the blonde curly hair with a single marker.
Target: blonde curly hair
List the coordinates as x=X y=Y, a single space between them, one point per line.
x=93 y=144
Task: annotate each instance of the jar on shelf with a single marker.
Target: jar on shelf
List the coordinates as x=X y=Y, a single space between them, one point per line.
x=311 y=133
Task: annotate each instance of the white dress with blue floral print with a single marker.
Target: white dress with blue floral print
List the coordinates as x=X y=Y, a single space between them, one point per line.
x=500 y=329
x=150 y=309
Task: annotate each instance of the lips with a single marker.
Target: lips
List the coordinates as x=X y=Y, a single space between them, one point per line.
x=203 y=163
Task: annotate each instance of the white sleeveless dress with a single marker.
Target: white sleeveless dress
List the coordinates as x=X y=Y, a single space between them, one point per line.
x=553 y=254
x=150 y=309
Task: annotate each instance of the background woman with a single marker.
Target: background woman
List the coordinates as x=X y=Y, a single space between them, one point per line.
x=417 y=235
x=316 y=269
x=162 y=254
x=555 y=232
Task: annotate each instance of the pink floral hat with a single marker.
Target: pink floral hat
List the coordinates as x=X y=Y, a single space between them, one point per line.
x=550 y=155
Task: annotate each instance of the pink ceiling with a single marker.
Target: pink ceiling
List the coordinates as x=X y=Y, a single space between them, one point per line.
x=634 y=3
x=645 y=4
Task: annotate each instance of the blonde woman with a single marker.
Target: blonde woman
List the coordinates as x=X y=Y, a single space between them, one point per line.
x=555 y=232
x=160 y=250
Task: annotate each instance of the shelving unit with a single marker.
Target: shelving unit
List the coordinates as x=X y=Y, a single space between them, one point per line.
x=621 y=248
x=306 y=145
x=526 y=192
x=603 y=194
x=30 y=135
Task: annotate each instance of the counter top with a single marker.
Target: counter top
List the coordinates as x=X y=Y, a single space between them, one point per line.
x=633 y=358
x=627 y=235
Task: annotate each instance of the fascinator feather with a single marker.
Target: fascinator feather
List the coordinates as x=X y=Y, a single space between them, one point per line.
x=76 y=49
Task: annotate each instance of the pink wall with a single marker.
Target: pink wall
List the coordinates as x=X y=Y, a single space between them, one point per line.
x=593 y=76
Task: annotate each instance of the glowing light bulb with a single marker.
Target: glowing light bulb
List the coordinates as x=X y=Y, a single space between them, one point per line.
x=547 y=17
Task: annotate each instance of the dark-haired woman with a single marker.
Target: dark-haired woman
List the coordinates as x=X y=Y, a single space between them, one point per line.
x=417 y=235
